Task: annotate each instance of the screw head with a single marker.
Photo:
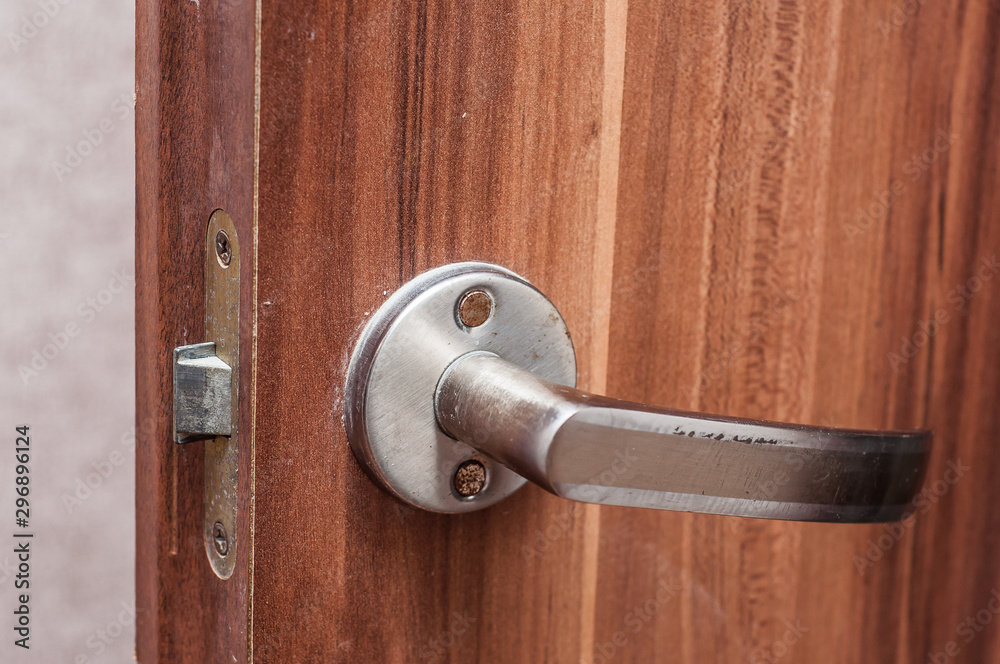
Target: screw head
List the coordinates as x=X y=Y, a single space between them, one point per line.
x=474 y=308
x=220 y=539
x=223 y=249
x=470 y=478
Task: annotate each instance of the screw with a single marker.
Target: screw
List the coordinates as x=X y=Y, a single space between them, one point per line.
x=222 y=248
x=475 y=308
x=470 y=478
x=219 y=539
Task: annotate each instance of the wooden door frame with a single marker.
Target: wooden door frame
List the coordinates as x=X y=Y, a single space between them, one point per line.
x=196 y=151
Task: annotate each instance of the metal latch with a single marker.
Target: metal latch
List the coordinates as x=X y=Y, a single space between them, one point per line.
x=206 y=392
x=203 y=394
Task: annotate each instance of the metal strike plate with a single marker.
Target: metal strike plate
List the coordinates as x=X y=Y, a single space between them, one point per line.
x=203 y=394
x=206 y=392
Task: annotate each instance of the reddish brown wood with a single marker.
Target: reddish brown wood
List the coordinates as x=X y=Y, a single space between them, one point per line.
x=689 y=182
x=746 y=161
x=393 y=139
x=194 y=153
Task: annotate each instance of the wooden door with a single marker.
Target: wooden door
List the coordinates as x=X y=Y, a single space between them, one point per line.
x=775 y=209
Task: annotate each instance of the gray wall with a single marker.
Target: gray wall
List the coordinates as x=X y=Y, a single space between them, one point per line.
x=66 y=263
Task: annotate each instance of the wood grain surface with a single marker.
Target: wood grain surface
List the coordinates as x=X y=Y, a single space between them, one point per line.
x=775 y=209
x=194 y=153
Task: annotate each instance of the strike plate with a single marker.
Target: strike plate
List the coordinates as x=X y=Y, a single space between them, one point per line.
x=206 y=391
x=222 y=325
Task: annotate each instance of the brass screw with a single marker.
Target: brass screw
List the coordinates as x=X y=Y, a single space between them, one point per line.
x=470 y=478
x=222 y=248
x=475 y=308
x=219 y=539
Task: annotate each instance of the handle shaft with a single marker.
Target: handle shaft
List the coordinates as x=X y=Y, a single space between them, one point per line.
x=600 y=450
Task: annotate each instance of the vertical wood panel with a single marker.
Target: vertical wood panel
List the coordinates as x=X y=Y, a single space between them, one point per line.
x=787 y=290
x=194 y=153
x=742 y=208
x=395 y=138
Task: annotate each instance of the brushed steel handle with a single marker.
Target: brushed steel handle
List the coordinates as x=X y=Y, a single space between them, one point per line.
x=462 y=387
x=599 y=450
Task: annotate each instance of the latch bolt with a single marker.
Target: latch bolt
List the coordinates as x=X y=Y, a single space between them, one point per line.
x=203 y=394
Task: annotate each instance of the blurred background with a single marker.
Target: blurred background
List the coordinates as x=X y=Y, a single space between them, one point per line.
x=66 y=337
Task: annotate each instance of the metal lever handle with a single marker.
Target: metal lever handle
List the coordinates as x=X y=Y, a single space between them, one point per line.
x=600 y=450
x=461 y=387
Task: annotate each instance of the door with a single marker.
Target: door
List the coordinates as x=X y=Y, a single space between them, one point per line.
x=777 y=210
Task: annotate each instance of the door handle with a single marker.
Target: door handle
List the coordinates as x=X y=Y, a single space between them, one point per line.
x=600 y=450
x=461 y=386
